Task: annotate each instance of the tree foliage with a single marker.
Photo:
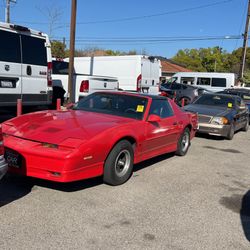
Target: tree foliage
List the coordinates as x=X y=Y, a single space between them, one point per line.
x=58 y=49
x=203 y=59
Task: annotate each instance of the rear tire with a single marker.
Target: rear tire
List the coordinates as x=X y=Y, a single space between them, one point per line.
x=230 y=133
x=119 y=164
x=183 y=143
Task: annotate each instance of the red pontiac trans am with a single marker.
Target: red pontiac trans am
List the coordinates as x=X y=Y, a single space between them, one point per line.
x=106 y=133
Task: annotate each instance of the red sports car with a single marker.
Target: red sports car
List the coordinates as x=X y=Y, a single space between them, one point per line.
x=105 y=134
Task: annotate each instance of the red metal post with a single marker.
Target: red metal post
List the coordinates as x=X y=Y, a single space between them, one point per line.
x=58 y=104
x=19 y=107
x=182 y=102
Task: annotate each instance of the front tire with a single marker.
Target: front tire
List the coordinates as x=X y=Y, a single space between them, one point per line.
x=119 y=164
x=183 y=143
x=230 y=134
x=246 y=126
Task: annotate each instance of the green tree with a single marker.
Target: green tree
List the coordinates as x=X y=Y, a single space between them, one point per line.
x=203 y=59
x=58 y=49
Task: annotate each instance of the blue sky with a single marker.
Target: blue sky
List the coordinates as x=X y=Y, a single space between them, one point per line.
x=225 y=18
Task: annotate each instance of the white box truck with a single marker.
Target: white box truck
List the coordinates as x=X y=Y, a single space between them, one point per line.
x=134 y=72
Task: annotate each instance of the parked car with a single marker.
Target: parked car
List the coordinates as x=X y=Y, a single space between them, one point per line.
x=104 y=134
x=220 y=114
x=25 y=66
x=182 y=92
x=212 y=81
x=83 y=84
x=242 y=92
x=3 y=163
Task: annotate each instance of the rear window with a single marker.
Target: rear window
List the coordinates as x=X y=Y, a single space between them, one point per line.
x=219 y=82
x=60 y=68
x=34 y=50
x=10 y=47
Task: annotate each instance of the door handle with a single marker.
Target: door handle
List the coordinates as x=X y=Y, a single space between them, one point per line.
x=29 y=70
x=175 y=123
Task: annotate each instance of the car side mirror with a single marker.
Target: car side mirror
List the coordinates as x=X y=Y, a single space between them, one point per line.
x=154 y=118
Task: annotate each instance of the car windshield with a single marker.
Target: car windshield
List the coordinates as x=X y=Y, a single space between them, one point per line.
x=114 y=104
x=215 y=100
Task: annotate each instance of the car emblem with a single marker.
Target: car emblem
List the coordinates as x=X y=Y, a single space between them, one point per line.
x=105 y=85
x=7 y=67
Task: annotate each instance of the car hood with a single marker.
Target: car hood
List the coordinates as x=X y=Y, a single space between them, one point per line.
x=58 y=126
x=207 y=110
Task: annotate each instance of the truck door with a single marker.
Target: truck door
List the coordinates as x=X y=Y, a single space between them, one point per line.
x=34 y=70
x=10 y=68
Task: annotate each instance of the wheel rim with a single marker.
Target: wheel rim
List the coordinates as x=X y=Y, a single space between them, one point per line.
x=122 y=163
x=185 y=142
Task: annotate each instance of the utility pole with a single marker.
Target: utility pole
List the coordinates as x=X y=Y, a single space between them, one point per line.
x=244 y=51
x=72 y=49
x=7 y=10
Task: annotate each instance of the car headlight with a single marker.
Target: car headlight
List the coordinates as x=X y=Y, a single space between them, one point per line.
x=196 y=93
x=220 y=121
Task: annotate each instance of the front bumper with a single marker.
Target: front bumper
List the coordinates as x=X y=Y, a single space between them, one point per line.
x=48 y=163
x=213 y=129
x=3 y=167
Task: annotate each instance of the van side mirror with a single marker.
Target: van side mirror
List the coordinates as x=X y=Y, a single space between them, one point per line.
x=154 y=118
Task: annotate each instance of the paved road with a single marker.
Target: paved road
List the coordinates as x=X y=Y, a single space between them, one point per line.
x=200 y=201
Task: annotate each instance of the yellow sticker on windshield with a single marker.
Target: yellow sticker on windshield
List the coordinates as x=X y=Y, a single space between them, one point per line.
x=229 y=105
x=140 y=108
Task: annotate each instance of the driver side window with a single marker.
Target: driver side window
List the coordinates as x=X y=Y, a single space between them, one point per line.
x=161 y=108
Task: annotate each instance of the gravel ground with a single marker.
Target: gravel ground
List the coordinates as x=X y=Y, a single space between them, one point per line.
x=200 y=201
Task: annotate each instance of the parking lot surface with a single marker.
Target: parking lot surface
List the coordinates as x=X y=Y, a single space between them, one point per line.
x=200 y=201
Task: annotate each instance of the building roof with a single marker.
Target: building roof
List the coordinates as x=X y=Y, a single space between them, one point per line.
x=170 y=67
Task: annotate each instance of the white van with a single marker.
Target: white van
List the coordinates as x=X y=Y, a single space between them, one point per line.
x=135 y=73
x=25 y=66
x=210 y=81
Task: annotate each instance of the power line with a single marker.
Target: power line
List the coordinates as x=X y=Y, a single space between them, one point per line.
x=146 y=40
x=157 y=14
x=125 y=19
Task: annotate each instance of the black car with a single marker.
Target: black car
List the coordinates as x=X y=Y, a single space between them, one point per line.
x=242 y=92
x=181 y=92
x=220 y=114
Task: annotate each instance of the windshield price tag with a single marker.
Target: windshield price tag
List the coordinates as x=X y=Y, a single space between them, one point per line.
x=229 y=105
x=140 y=108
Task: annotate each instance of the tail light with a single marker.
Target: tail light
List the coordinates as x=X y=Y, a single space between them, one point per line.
x=1 y=141
x=84 y=86
x=49 y=74
x=138 y=83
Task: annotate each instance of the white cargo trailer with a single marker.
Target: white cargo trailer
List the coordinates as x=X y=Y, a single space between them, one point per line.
x=135 y=73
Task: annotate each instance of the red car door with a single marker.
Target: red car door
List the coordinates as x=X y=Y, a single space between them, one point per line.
x=159 y=136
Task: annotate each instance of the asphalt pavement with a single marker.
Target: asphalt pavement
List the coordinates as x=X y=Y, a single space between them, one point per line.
x=200 y=201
